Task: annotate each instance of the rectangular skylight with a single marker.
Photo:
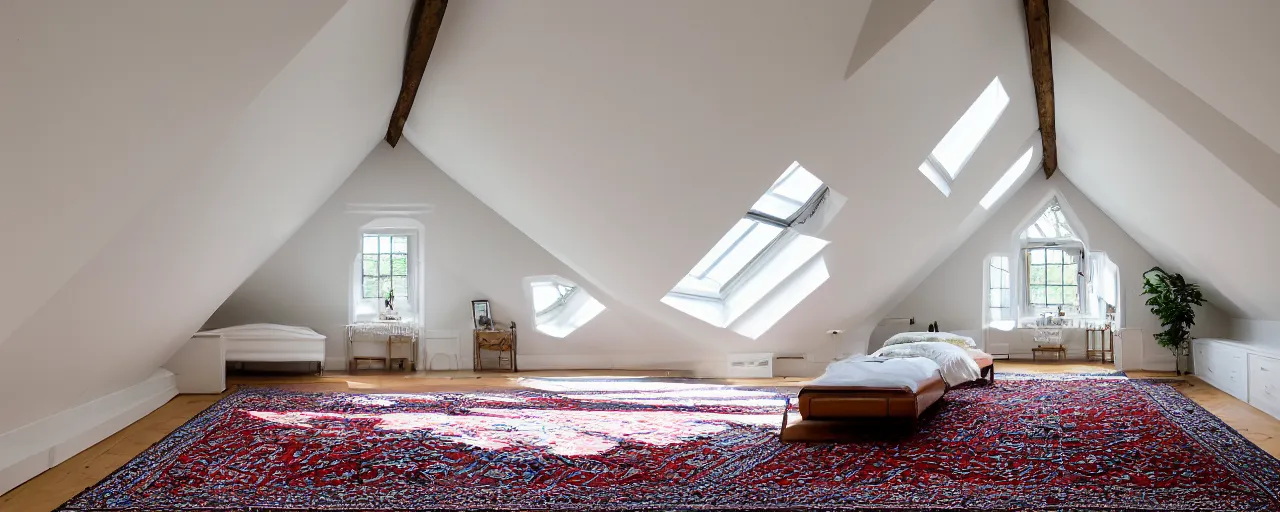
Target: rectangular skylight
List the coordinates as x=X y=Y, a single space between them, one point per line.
x=963 y=138
x=736 y=249
x=958 y=145
x=1006 y=181
x=789 y=194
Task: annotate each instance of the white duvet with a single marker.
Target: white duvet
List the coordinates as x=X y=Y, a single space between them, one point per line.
x=878 y=372
x=956 y=364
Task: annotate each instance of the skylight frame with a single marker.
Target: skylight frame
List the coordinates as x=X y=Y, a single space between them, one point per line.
x=573 y=308
x=757 y=218
x=965 y=136
x=564 y=293
x=801 y=208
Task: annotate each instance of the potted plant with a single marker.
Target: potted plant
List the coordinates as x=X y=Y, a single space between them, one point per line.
x=1171 y=299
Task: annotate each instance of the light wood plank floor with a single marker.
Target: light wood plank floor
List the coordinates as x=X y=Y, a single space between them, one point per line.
x=53 y=487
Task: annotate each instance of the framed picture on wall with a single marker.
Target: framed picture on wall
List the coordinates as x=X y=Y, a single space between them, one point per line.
x=481 y=315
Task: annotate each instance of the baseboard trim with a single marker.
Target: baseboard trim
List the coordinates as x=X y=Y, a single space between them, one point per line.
x=39 y=446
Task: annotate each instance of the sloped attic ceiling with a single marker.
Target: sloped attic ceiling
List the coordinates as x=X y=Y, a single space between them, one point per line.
x=154 y=154
x=1167 y=120
x=628 y=156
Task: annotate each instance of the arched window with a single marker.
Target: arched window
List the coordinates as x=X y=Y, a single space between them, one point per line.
x=1053 y=256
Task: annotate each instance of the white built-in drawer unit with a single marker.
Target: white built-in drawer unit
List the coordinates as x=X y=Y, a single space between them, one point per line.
x=1223 y=365
x=1264 y=386
x=1248 y=372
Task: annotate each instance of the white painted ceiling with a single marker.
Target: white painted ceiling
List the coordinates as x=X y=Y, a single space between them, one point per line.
x=154 y=154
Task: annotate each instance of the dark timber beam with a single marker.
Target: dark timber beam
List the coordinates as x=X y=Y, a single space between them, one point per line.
x=427 y=15
x=1042 y=77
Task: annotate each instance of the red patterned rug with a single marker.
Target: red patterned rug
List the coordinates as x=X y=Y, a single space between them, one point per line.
x=642 y=444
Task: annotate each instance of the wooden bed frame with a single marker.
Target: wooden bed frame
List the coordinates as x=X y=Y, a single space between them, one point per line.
x=828 y=411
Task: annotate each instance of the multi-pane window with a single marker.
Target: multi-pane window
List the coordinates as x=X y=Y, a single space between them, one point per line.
x=794 y=195
x=385 y=266
x=1052 y=277
x=1000 y=300
x=1050 y=225
x=956 y=147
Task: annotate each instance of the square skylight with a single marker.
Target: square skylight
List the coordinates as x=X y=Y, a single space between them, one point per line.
x=958 y=145
x=1010 y=176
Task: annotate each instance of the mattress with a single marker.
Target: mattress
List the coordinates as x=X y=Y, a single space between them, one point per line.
x=877 y=372
x=271 y=343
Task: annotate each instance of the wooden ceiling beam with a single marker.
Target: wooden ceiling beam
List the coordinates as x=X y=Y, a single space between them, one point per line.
x=1042 y=77
x=427 y=17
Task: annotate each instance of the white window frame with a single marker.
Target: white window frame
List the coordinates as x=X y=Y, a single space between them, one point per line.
x=1000 y=281
x=405 y=291
x=785 y=234
x=409 y=305
x=1068 y=249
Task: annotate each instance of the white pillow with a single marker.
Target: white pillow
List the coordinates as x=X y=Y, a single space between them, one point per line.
x=958 y=367
x=917 y=337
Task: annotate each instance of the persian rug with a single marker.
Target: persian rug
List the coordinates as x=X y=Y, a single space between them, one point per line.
x=1032 y=444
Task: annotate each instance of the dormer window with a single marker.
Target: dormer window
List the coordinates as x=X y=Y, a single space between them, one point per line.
x=951 y=154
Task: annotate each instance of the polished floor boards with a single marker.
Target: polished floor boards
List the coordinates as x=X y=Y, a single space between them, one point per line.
x=53 y=487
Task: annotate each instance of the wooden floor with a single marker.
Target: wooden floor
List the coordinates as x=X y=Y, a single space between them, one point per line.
x=53 y=487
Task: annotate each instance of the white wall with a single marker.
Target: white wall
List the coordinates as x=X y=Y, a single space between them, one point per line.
x=1262 y=332
x=152 y=263
x=654 y=139
x=1168 y=126
x=470 y=253
x=952 y=293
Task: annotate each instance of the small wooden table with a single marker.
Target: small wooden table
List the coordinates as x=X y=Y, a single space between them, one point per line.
x=501 y=341
x=1059 y=352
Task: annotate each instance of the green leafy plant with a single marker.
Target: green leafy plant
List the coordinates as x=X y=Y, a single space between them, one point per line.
x=1171 y=299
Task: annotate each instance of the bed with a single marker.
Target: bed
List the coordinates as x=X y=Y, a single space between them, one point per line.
x=271 y=343
x=867 y=389
x=961 y=364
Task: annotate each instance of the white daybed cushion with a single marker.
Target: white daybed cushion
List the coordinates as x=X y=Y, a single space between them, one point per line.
x=266 y=332
x=956 y=364
x=878 y=372
x=271 y=343
x=917 y=337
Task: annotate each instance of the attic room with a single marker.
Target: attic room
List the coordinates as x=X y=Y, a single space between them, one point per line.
x=384 y=255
